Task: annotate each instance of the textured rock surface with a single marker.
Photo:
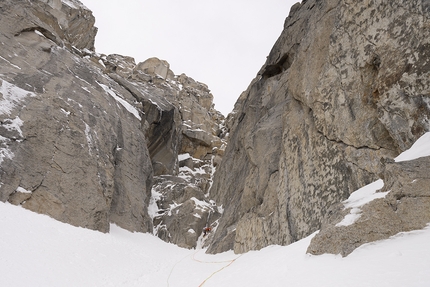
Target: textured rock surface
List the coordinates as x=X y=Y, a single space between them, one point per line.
x=345 y=86
x=67 y=23
x=82 y=135
x=92 y=139
x=406 y=207
x=182 y=210
x=81 y=164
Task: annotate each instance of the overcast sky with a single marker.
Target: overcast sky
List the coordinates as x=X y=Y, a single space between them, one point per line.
x=222 y=43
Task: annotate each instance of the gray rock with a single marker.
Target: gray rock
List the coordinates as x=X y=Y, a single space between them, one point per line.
x=156 y=68
x=406 y=207
x=183 y=209
x=344 y=87
x=83 y=134
x=74 y=156
x=67 y=24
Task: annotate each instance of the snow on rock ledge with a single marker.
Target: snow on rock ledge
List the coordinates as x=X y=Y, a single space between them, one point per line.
x=403 y=204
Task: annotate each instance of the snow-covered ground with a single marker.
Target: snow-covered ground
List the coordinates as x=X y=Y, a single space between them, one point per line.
x=39 y=251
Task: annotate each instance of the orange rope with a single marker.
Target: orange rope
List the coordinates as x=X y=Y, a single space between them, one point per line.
x=171 y=270
x=231 y=262
x=206 y=262
x=211 y=262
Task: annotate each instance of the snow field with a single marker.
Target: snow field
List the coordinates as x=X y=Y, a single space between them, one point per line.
x=39 y=251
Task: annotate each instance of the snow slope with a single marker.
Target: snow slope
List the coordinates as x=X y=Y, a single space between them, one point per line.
x=39 y=251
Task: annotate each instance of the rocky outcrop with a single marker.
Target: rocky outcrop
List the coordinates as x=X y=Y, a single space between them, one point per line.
x=181 y=210
x=94 y=139
x=181 y=205
x=66 y=23
x=344 y=88
x=75 y=143
x=84 y=136
x=406 y=207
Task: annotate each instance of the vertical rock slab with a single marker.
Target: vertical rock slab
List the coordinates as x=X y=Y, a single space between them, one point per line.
x=71 y=139
x=344 y=87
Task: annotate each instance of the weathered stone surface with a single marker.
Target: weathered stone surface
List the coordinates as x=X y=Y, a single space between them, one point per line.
x=123 y=66
x=74 y=157
x=182 y=215
x=181 y=203
x=66 y=23
x=344 y=87
x=406 y=207
x=82 y=134
x=155 y=67
x=92 y=139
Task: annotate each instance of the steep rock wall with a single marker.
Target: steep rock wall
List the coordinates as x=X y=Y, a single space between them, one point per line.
x=84 y=136
x=76 y=161
x=344 y=87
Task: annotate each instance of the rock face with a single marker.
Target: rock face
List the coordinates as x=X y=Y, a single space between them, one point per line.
x=406 y=207
x=345 y=87
x=84 y=136
x=94 y=139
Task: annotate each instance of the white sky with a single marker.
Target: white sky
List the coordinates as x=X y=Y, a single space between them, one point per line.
x=220 y=43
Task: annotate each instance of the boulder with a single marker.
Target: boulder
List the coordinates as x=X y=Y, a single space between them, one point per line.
x=406 y=207
x=155 y=67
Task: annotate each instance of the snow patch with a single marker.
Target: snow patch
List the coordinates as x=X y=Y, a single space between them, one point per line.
x=123 y=102
x=183 y=156
x=75 y=4
x=202 y=205
x=220 y=209
x=13 y=65
x=5 y=153
x=172 y=207
x=12 y=96
x=153 y=207
x=22 y=190
x=185 y=169
x=89 y=137
x=350 y=218
x=359 y=198
x=102 y=64
x=366 y=194
x=420 y=148
x=39 y=33
x=65 y=112
x=13 y=125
